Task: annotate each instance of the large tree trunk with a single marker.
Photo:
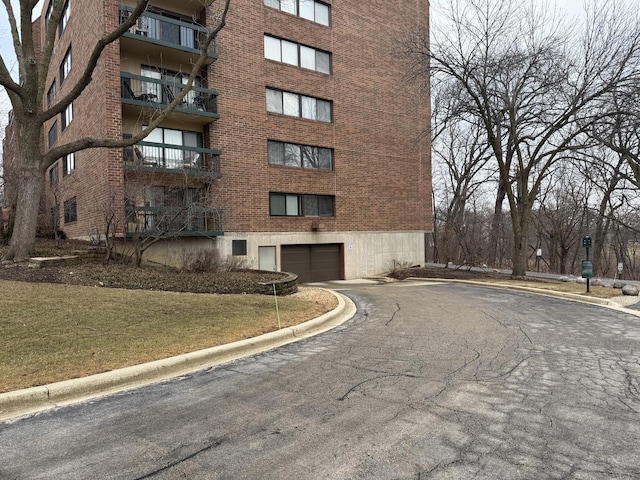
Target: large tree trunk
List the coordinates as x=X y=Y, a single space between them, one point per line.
x=22 y=245
x=521 y=244
x=496 y=228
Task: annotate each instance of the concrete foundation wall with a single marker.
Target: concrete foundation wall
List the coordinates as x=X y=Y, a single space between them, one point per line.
x=365 y=253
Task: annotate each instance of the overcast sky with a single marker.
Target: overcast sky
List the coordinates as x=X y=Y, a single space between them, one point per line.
x=572 y=7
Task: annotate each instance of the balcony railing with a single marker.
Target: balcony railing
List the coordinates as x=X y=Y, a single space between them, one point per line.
x=159 y=156
x=155 y=92
x=168 y=32
x=173 y=221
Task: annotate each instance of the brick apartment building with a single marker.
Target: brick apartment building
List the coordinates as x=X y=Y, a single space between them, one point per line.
x=301 y=148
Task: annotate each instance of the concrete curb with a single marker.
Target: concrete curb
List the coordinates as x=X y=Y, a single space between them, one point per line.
x=538 y=291
x=44 y=397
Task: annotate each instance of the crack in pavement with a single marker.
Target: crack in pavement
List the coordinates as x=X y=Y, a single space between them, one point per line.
x=394 y=315
x=178 y=461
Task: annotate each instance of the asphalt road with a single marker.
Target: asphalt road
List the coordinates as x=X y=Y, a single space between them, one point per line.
x=425 y=382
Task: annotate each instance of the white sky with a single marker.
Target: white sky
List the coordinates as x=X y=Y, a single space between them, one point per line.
x=572 y=7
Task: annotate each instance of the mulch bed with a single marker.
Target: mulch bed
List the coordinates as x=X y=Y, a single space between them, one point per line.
x=146 y=278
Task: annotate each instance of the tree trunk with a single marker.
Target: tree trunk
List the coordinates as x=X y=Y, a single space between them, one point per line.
x=23 y=239
x=521 y=244
x=496 y=227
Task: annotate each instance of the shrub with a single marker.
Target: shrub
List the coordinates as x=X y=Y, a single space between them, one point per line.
x=208 y=260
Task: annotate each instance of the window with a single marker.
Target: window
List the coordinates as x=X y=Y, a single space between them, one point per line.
x=298 y=55
x=64 y=18
x=47 y=15
x=51 y=94
x=67 y=116
x=53 y=175
x=53 y=134
x=296 y=105
x=166 y=84
x=68 y=163
x=65 y=66
x=294 y=205
x=166 y=156
x=70 y=210
x=238 y=247
x=306 y=156
x=309 y=9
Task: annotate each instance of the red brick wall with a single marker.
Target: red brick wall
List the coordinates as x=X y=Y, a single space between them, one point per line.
x=382 y=177
x=96 y=113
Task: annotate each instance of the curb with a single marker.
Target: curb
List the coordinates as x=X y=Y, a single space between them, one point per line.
x=35 y=399
x=574 y=297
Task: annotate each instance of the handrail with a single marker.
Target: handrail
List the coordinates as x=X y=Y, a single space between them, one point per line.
x=166 y=30
x=146 y=90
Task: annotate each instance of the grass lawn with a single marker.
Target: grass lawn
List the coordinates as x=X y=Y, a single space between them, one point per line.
x=567 y=287
x=53 y=332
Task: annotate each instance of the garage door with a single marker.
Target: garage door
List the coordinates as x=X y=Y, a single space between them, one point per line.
x=312 y=263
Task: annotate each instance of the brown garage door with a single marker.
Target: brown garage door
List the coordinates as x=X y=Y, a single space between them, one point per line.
x=312 y=263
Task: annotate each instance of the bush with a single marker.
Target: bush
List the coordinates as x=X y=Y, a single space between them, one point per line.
x=399 y=269
x=207 y=260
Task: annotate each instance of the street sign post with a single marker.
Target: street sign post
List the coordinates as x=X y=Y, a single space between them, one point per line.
x=587 y=266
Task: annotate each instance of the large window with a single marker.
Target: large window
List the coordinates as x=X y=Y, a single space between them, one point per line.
x=169 y=86
x=310 y=9
x=171 y=157
x=64 y=18
x=67 y=116
x=305 y=156
x=296 y=105
x=68 y=163
x=295 y=54
x=65 y=66
x=70 y=210
x=295 y=205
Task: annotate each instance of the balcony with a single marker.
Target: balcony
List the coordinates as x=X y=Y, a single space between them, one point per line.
x=161 y=33
x=163 y=158
x=171 y=222
x=155 y=93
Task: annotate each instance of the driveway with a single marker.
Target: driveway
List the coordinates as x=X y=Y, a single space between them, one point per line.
x=427 y=381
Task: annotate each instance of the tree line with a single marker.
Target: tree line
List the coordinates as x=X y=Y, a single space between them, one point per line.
x=534 y=131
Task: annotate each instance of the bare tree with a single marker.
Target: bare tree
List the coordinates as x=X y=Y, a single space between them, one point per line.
x=532 y=81
x=30 y=111
x=461 y=154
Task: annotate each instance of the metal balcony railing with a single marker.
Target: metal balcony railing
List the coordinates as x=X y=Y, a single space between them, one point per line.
x=147 y=91
x=174 y=221
x=168 y=32
x=159 y=156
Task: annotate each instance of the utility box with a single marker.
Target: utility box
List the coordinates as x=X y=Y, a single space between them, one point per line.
x=587 y=269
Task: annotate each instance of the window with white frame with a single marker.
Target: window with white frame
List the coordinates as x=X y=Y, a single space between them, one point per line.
x=313 y=10
x=303 y=156
x=64 y=18
x=49 y=12
x=67 y=116
x=163 y=154
x=65 y=66
x=296 y=205
x=295 y=105
x=295 y=54
x=68 y=163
